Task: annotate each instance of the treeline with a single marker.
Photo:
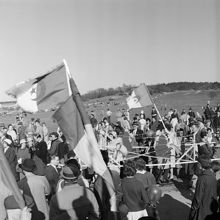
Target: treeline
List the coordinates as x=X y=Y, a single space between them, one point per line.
x=154 y=89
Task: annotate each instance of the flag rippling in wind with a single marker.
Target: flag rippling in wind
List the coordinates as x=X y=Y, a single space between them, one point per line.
x=139 y=97
x=44 y=92
x=58 y=89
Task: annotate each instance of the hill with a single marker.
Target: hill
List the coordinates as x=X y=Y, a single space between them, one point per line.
x=154 y=89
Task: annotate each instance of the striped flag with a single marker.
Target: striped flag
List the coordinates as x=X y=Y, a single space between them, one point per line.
x=44 y=92
x=139 y=97
x=75 y=124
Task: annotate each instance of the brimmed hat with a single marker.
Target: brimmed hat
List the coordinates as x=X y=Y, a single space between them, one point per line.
x=8 y=141
x=70 y=172
x=28 y=165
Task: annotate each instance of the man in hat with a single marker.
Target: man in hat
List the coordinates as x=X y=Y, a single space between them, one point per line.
x=73 y=201
x=205 y=196
x=37 y=187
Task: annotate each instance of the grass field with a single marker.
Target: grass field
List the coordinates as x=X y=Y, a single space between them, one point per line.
x=178 y=100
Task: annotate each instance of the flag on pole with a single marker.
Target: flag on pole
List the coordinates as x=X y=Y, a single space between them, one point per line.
x=74 y=129
x=7 y=179
x=139 y=97
x=44 y=92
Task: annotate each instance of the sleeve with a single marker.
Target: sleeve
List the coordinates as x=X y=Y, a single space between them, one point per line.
x=55 y=212
x=198 y=194
x=47 y=186
x=94 y=213
x=143 y=194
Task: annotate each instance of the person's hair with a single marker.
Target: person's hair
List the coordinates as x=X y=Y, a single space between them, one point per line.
x=215 y=166
x=52 y=157
x=128 y=168
x=203 y=134
x=140 y=164
x=38 y=136
x=209 y=129
x=37 y=121
x=10 y=125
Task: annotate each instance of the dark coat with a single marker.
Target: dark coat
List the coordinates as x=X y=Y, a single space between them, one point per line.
x=54 y=147
x=41 y=151
x=205 y=196
x=53 y=177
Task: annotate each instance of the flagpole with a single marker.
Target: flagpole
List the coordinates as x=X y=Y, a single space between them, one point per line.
x=156 y=108
x=90 y=133
x=11 y=179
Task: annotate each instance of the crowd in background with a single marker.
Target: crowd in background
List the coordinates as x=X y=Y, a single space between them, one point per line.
x=55 y=185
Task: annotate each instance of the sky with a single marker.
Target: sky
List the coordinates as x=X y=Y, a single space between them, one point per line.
x=110 y=42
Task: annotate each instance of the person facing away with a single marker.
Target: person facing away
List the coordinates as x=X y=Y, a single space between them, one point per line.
x=134 y=194
x=73 y=201
x=37 y=187
x=142 y=175
x=205 y=196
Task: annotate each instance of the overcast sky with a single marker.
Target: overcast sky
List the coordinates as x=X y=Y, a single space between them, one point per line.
x=110 y=42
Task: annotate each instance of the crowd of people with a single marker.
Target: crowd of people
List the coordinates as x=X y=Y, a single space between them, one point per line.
x=55 y=185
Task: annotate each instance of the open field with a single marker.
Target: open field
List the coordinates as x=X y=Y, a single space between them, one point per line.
x=178 y=100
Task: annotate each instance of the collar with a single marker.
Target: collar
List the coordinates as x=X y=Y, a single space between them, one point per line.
x=141 y=171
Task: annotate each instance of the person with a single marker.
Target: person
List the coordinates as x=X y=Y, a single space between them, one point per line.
x=73 y=201
x=41 y=148
x=137 y=134
x=52 y=173
x=54 y=138
x=216 y=121
x=39 y=129
x=109 y=113
x=205 y=193
x=63 y=149
x=142 y=175
x=45 y=132
x=154 y=113
x=23 y=152
x=10 y=156
x=12 y=133
x=134 y=194
x=37 y=187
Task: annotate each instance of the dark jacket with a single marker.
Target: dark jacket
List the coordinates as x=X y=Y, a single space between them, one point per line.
x=205 y=196
x=54 y=147
x=41 y=151
x=53 y=177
